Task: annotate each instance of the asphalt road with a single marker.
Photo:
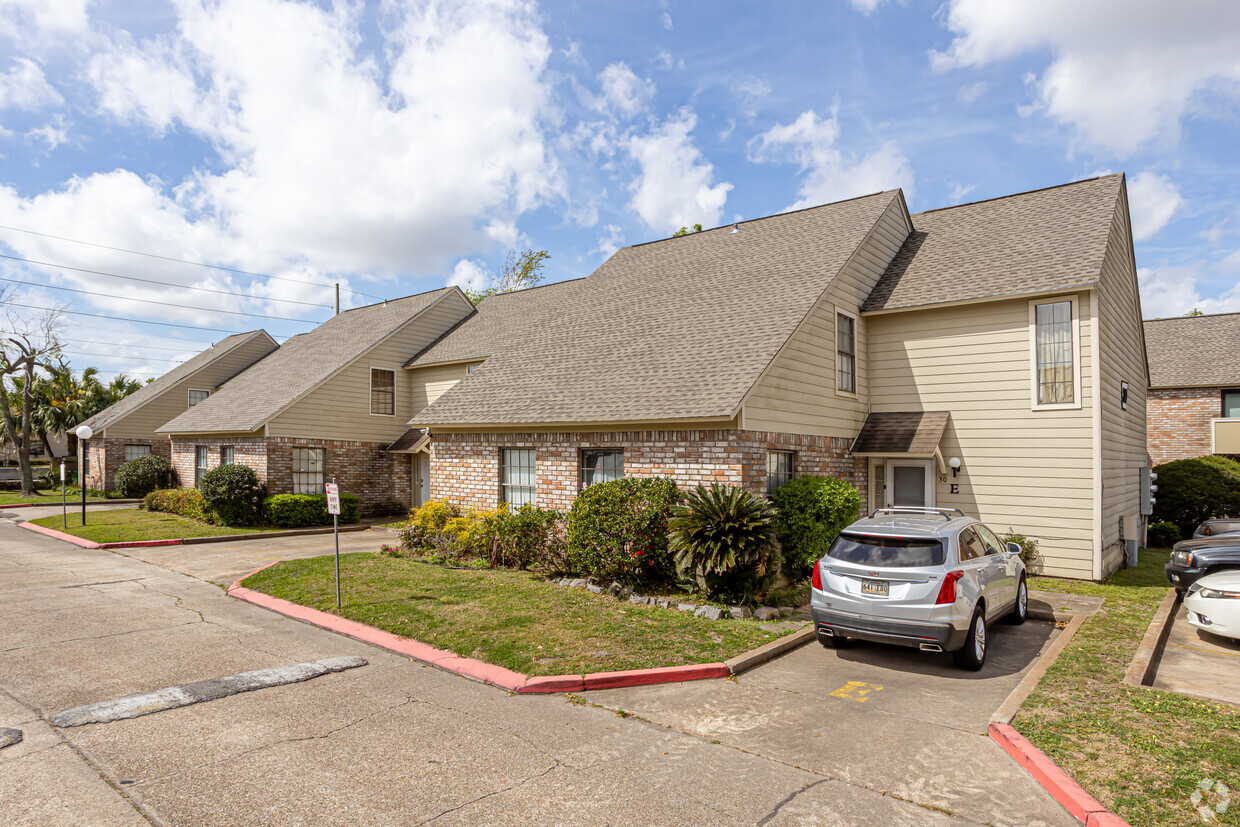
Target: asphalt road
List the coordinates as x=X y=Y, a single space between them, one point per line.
x=396 y=742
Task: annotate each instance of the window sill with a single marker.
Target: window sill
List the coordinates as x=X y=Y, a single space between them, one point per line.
x=1064 y=406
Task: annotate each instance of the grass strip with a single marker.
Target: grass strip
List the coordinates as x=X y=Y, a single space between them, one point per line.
x=508 y=618
x=124 y=525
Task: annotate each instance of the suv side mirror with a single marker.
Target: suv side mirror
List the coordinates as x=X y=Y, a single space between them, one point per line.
x=1013 y=548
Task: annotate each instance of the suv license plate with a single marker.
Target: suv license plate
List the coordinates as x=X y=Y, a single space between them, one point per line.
x=879 y=587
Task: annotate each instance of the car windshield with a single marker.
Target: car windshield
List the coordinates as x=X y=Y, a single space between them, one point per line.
x=896 y=552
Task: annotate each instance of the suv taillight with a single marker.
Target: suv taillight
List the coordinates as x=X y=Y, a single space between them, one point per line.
x=816 y=580
x=947 y=592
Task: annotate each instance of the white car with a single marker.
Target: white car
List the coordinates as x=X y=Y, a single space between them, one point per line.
x=1213 y=604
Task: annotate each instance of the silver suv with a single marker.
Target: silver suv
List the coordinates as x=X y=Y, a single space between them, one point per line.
x=922 y=577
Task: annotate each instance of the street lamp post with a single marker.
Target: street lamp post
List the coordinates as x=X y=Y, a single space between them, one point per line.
x=84 y=433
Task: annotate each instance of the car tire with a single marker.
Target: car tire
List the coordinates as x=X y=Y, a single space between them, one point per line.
x=836 y=641
x=1021 y=610
x=972 y=655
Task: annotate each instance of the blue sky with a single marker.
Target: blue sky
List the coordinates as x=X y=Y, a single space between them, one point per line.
x=399 y=146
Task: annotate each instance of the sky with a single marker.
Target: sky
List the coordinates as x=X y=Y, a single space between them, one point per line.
x=172 y=172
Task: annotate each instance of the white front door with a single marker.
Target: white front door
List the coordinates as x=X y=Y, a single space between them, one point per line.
x=420 y=468
x=909 y=482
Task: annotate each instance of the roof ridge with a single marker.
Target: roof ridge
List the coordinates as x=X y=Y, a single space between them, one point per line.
x=1187 y=317
x=397 y=299
x=535 y=287
x=1018 y=194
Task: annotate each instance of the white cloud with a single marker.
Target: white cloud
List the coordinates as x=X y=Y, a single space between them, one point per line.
x=1172 y=291
x=52 y=134
x=666 y=20
x=36 y=20
x=469 y=275
x=25 y=87
x=972 y=91
x=675 y=187
x=151 y=84
x=624 y=93
x=752 y=92
x=830 y=175
x=610 y=243
x=1153 y=200
x=1122 y=72
x=959 y=191
x=867 y=7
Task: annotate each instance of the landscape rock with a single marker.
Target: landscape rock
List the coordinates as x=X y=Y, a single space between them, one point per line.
x=614 y=589
x=577 y=584
x=564 y=581
x=626 y=591
x=666 y=603
x=637 y=600
x=766 y=613
x=709 y=612
x=740 y=612
x=786 y=611
x=686 y=607
x=595 y=589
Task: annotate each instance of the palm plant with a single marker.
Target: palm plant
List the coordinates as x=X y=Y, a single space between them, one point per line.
x=63 y=401
x=724 y=538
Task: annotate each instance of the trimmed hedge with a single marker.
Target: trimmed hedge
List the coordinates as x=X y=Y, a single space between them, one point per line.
x=812 y=513
x=184 y=502
x=233 y=493
x=308 y=510
x=618 y=530
x=1191 y=491
x=141 y=476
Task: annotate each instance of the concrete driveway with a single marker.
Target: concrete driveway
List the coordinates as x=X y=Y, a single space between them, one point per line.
x=1199 y=663
x=396 y=742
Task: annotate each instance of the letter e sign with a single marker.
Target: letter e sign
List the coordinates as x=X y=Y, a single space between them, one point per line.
x=1123 y=395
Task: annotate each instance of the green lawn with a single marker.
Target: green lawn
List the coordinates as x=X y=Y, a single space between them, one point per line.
x=129 y=524
x=507 y=618
x=49 y=497
x=1138 y=751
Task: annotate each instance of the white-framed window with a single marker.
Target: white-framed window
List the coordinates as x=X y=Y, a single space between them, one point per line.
x=308 y=470
x=516 y=476
x=845 y=352
x=227 y=455
x=1055 y=354
x=200 y=462
x=382 y=392
x=601 y=465
x=780 y=469
x=132 y=452
x=196 y=396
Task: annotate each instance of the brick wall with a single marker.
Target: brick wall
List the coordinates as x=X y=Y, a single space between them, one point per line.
x=251 y=451
x=107 y=455
x=1179 y=422
x=465 y=467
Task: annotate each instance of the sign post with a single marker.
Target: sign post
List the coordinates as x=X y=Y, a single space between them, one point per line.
x=333 y=508
x=64 y=503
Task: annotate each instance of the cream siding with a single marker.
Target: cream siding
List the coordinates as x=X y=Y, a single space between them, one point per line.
x=1030 y=471
x=141 y=423
x=430 y=383
x=340 y=407
x=797 y=393
x=1121 y=359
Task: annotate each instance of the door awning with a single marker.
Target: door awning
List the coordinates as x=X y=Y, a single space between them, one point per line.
x=901 y=434
x=410 y=442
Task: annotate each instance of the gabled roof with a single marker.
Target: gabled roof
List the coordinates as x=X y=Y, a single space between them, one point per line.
x=300 y=365
x=1031 y=242
x=1194 y=351
x=678 y=329
x=152 y=391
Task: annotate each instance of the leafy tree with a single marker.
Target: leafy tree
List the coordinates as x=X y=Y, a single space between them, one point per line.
x=26 y=347
x=697 y=228
x=1194 y=312
x=521 y=272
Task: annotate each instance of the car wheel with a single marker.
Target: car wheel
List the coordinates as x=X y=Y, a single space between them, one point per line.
x=836 y=641
x=1021 y=610
x=972 y=655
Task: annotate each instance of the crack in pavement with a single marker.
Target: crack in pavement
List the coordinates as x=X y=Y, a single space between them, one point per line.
x=95 y=637
x=788 y=798
x=485 y=796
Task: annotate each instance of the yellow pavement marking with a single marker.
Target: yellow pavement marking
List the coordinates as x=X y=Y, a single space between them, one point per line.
x=856 y=691
x=1201 y=649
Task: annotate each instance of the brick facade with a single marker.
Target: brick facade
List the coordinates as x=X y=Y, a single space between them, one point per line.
x=1179 y=422
x=465 y=467
x=106 y=455
x=381 y=479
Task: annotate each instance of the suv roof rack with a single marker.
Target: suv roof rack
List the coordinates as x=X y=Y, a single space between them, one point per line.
x=945 y=513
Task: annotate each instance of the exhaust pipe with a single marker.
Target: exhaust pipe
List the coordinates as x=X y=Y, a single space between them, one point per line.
x=931 y=647
x=826 y=631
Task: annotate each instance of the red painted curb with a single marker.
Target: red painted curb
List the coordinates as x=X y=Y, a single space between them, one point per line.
x=1071 y=795
x=553 y=684
x=20 y=505
x=140 y=544
x=237 y=583
x=661 y=674
x=59 y=535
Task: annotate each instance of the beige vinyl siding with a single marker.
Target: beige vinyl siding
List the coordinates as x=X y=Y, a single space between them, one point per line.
x=1027 y=470
x=340 y=407
x=1121 y=359
x=428 y=384
x=141 y=423
x=797 y=393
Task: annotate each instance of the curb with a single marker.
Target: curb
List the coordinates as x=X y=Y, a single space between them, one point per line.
x=769 y=651
x=1149 y=653
x=297 y=532
x=1070 y=795
x=469 y=667
x=1012 y=703
x=58 y=535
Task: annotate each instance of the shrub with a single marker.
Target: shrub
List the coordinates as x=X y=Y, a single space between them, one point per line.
x=141 y=476
x=1162 y=535
x=812 y=513
x=184 y=502
x=525 y=536
x=1029 y=554
x=306 y=510
x=724 y=538
x=618 y=530
x=233 y=494
x=1193 y=490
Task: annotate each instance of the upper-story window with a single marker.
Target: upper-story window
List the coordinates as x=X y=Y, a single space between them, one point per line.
x=846 y=353
x=601 y=466
x=197 y=396
x=382 y=391
x=1056 y=357
x=1231 y=404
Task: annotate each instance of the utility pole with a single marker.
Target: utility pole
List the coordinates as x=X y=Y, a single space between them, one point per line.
x=337 y=298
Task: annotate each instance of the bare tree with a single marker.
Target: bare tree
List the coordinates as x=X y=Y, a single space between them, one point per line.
x=26 y=347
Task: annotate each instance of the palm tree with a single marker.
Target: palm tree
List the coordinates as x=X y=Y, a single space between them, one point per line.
x=62 y=402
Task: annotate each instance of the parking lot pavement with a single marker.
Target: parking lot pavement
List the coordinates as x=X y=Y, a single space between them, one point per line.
x=897 y=721
x=1199 y=663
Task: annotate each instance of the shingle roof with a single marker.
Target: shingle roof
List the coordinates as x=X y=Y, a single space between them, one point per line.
x=675 y=329
x=301 y=364
x=916 y=432
x=1194 y=351
x=1036 y=241
x=114 y=413
x=409 y=440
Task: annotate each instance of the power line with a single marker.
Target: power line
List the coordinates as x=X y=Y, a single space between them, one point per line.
x=153 y=301
x=141 y=347
x=120 y=356
x=131 y=321
x=157 y=281
x=185 y=261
